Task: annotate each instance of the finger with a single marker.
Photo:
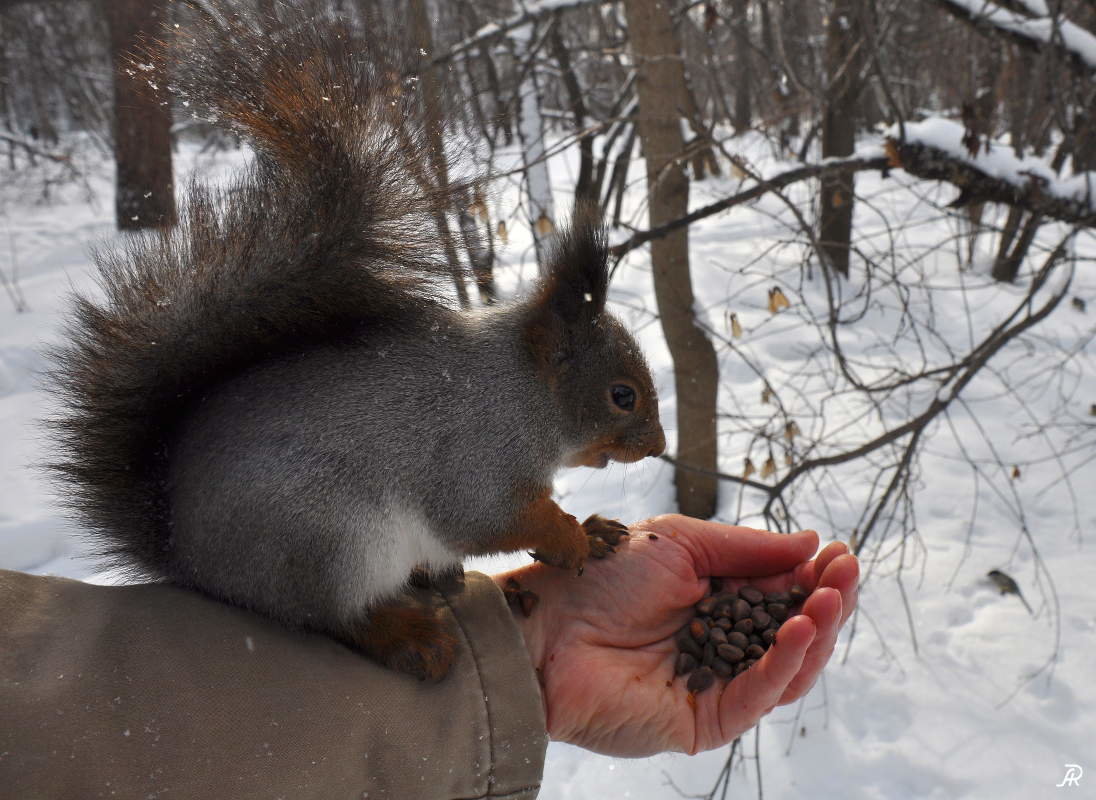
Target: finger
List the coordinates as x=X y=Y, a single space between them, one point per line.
x=824 y=608
x=720 y=549
x=807 y=575
x=836 y=568
x=843 y=574
x=757 y=690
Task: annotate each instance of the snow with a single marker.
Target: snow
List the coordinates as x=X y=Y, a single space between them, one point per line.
x=987 y=701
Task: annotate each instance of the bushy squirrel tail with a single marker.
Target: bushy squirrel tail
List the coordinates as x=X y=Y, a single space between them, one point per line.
x=331 y=228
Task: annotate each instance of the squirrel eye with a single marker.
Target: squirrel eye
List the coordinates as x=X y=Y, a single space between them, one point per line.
x=624 y=397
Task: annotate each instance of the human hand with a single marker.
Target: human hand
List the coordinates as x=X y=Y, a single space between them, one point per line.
x=602 y=642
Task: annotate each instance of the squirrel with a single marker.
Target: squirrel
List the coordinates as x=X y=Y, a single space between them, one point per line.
x=275 y=404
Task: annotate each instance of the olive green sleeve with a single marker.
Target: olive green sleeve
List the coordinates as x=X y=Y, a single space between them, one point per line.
x=153 y=691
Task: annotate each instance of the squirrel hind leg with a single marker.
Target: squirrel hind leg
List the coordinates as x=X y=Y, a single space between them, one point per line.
x=404 y=635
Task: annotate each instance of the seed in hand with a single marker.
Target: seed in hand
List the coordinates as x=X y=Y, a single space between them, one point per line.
x=700 y=680
x=730 y=631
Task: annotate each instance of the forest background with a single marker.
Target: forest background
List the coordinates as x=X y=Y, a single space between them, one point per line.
x=856 y=239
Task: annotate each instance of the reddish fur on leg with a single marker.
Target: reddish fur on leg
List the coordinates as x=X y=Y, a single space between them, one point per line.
x=544 y=527
x=555 y=537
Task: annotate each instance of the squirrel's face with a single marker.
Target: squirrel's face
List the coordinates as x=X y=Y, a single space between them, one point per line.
x=609 y=398
x=598 y=376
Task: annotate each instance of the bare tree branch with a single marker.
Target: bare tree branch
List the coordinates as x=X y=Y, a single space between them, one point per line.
x=762 y=188
x=30 y=147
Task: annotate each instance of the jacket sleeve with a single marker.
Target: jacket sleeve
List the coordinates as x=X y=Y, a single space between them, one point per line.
x=154 y=691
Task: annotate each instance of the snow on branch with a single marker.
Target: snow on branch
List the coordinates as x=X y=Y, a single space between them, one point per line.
x=1035 y=30
x=934 y=150
x=493 y=30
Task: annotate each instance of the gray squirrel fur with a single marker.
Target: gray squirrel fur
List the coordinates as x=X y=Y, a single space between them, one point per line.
x=274 y=404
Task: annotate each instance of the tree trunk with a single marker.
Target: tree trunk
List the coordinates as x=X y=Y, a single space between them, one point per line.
x=1007 y=265
x=1084 y=142
x=145 y=196
x=795 y=30
x=844 y=57
x=542 y=214
x=618 y=182
x=661 y=81
x=585 y=192
x=740 y=24
x=479 y=245
x=701 y=148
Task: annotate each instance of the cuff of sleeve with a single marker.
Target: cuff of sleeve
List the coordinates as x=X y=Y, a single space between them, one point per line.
x=151 y=689
x=517 y=738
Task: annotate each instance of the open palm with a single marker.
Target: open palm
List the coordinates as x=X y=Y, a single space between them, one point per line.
x=603 y=641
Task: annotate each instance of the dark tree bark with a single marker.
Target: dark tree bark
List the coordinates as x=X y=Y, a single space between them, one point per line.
x=700 y=147
x=844 y=58
x=661 y=82
x=584 y=186
x=740 y=24
x=145 y=195
x=1084 y=142
x=1006 y=267
x=618 y=182
x=795 y=30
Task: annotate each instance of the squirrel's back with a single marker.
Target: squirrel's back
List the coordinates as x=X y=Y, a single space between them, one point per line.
x=351 y=463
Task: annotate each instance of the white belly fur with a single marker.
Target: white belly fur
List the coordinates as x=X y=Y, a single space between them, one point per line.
x=379 y=559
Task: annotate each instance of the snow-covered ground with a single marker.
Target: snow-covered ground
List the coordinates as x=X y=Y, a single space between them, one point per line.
x=960 y=717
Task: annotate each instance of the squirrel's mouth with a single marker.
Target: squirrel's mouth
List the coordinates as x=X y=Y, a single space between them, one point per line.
x=598 y=459
x=599 y=456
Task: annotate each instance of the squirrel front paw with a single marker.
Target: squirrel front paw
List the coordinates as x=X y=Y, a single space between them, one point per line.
x=597 y=537
x=558 y=539
x=603 y=534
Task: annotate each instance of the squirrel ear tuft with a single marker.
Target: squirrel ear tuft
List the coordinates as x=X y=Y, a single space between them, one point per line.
x=578 y=268
x=572 y=295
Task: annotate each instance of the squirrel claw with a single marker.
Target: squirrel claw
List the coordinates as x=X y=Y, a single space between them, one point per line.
x=610 y=531
x=599 y=548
